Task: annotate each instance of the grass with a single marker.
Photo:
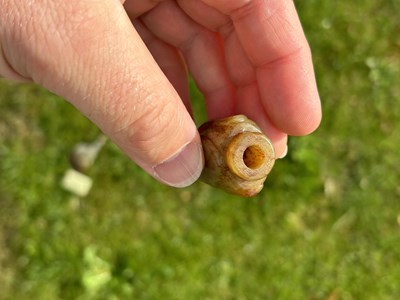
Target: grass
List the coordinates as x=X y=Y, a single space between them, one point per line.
x=326 y=226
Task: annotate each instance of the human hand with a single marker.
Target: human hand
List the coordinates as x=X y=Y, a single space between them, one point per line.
x=246 y=56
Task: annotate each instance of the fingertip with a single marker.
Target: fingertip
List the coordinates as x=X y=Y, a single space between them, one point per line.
x=184 y=167
x=283 y=154
x=290 y=96
x=279 y=140
x=311 y=123
x=305 y=119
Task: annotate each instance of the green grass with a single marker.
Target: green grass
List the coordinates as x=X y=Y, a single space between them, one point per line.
x=326 y=226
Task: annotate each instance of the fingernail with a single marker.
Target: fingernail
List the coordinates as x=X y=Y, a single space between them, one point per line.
x=182 y=169
x=284 y=153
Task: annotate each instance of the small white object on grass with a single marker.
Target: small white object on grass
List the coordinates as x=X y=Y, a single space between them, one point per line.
x=77 y=183
x=83 y=155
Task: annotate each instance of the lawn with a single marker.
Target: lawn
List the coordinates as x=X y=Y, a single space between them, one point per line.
x=326 y=225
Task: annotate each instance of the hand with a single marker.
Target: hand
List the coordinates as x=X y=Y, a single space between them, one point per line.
x=124 y=65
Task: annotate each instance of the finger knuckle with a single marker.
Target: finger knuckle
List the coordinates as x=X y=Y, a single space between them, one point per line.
x=149 y=131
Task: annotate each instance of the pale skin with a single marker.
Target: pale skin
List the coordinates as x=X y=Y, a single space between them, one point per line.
x=125 y=64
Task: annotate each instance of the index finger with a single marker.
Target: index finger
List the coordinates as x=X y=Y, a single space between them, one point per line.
x=273 y=39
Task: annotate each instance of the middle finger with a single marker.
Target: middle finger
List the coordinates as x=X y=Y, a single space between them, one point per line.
x=203 y=53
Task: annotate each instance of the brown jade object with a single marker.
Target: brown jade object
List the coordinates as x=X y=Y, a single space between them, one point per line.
x=238 y=156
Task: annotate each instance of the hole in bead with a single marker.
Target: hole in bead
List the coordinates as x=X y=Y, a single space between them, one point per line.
x=253 y=157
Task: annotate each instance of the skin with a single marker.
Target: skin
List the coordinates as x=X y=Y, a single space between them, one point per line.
x=124 y=65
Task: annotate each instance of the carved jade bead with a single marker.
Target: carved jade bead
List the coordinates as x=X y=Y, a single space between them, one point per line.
x=238 y=156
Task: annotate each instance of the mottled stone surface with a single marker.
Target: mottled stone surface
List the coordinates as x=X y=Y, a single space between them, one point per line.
x=238 y=156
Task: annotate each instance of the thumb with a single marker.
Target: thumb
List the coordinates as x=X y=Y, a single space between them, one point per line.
x=89 y=53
